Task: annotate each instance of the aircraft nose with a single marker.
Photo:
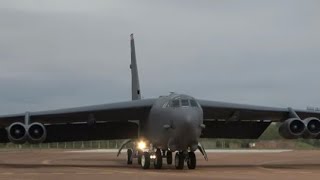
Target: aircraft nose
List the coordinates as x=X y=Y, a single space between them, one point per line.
x=187 y=131
x=189 y=121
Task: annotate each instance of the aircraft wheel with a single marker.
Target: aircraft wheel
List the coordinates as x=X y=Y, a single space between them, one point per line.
x=192 y=160
x=130 y=154
x=169 y=157
x=145 y=160
x=139 y=157
x=179 y=160
x=158 y=160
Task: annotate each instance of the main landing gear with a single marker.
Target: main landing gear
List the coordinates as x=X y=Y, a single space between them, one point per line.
x=147 y=158
x=169 y=157
x=129 y=156
x=158 y=160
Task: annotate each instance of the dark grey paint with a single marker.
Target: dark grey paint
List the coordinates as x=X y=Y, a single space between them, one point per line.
x=176 y=128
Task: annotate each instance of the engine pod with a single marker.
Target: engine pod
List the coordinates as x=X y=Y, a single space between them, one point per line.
x=312 y=127
x=17 y=133
x=37 y=133
x=292 y=128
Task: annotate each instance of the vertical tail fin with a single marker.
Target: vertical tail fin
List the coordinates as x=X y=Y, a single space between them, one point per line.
x=136 y=94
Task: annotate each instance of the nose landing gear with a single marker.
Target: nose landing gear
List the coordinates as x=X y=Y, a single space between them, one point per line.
x=179 y=160
x=189 y=157
x=191 y=160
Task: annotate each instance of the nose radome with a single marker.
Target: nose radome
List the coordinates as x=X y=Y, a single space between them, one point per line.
x=186 y=133
x=190 y=119
x=189 y=125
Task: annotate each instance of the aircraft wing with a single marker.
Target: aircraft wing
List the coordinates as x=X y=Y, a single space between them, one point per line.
x=240 y=121
x=107 y=121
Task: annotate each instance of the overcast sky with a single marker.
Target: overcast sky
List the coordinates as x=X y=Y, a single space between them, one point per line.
x=66 y=53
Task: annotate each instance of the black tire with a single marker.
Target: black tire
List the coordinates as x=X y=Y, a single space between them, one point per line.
x=145 y=160
x=139 y=157
x=169 y=157
x=192 y=160
x=179 y=160
x=139 y=160
x=158 y=160
x=129 y=156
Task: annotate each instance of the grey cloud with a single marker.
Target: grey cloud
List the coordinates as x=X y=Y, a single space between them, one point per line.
x=56 y=54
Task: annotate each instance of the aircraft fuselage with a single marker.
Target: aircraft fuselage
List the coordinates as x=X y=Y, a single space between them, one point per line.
x=174 y=123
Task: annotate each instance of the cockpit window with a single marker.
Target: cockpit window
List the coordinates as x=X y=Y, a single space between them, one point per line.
x=185 y=102
x=175 y=103
x=165 y=105
x=193 y=103
x=181 y=102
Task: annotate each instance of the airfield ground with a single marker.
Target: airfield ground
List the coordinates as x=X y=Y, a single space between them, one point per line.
x=62 y=164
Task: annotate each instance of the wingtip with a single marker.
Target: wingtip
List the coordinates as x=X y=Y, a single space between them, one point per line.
x=131 y=36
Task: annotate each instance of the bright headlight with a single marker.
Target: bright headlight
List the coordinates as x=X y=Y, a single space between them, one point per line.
x=141 y=145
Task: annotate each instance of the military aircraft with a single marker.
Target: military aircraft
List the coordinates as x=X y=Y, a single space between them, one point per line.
x=157 y=127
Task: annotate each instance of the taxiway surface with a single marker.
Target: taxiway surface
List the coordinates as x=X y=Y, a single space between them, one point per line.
x=61 y=164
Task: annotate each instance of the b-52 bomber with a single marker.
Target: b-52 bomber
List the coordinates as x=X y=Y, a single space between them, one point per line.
x=157 y=127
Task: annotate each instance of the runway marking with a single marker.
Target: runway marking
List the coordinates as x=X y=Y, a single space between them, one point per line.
x=108 y=171
x=304 y=172
x=124 y=172
x=7 y=173
x=282 y=161
x=30 y=173
x=83 y=173
x=57 y=173
x=46 y=162
x=272 y=170
x=105 y=173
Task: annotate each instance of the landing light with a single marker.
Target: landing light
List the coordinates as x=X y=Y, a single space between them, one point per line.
x=141 y=145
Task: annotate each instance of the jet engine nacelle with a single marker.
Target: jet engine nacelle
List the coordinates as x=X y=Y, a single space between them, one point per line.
x=37 y=133
x=17 y=133
x=312 y=127
x=292 y=128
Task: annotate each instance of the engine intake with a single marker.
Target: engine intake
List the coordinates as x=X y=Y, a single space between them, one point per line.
x=312 y=127
x=292 y=128
x=36 y=133
x=17 y=133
